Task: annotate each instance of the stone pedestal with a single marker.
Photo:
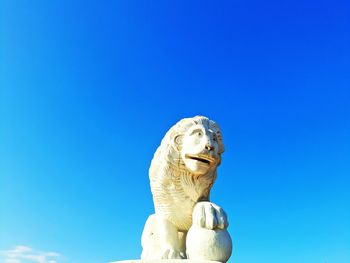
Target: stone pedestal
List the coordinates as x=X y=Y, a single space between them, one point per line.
x=166 y=261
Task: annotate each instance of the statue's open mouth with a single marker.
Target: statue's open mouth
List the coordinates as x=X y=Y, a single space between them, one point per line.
x=201 y=158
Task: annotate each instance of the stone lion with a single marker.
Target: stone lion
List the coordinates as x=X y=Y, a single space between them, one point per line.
x=181 y=174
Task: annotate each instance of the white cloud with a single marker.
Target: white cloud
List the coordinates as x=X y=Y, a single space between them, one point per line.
x=24 y=254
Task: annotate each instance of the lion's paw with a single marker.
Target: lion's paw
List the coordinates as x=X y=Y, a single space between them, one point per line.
x=209 y=215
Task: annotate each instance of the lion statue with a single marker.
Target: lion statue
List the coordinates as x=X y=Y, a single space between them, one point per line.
x=182 y=173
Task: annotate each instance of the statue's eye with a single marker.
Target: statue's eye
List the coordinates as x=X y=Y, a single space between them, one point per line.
x=197 y=132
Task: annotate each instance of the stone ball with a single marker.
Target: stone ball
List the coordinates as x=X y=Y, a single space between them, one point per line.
x=206 y=244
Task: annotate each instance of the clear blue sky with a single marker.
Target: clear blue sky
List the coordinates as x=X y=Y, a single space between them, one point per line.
x=89 y=88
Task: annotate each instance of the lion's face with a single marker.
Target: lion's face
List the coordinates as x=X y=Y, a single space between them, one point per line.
x=200 y=147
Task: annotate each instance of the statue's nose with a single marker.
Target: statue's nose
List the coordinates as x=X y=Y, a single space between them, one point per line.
x=209 y=147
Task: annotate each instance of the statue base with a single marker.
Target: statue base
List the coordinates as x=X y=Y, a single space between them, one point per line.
x=166 y=261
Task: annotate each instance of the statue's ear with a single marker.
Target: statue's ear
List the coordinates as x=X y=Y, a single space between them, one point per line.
x=178 y=142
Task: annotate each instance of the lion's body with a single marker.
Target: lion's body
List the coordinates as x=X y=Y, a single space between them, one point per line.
x=181 y=174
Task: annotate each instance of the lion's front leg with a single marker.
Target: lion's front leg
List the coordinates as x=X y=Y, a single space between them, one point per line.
x=170 y=245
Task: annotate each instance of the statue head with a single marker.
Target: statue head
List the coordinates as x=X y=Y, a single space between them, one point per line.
x=197 y=144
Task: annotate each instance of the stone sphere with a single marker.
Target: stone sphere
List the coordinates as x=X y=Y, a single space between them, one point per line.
x=206 y=244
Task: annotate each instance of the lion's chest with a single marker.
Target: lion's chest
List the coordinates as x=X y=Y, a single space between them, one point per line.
x=176 y=195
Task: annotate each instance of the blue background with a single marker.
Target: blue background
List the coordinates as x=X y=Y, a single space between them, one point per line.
x=89 y=88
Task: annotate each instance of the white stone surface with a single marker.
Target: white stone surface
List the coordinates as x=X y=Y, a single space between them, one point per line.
x=208 y=238
x=165 y=261
x=182 y=173
x=208 y=244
